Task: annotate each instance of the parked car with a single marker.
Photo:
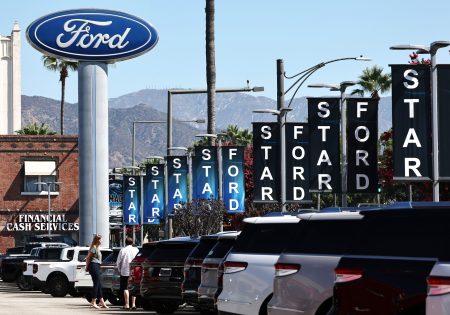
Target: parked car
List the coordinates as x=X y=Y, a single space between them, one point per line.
x=53 y=238
x=248 y=269
x=11 y=267
x=304 y=272
x=134 y=281
x=438 y=293
x=212 y=272
x=163 y=274
x=396 y=252
x=109 y=276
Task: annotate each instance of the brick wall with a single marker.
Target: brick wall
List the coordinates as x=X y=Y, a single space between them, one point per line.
x=14 y=149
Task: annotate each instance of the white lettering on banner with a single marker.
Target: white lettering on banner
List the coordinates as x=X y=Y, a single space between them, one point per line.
x=177 y=193
x=324 y=158
x=177 y=163
x=415 y=81
x=360 y=109
x=266 y=151
x=324 y=111
x=298 y=172
x=324 y=179
x=206 y=154
x=411 y=103
x=366 y=136
x=324 y=132
x=155 y=183
x=411 y=137
x=177 y=177
x=265 y=132
x=207 y=188
x=132 y=218
x=302 y=193
x=155 y=212
x=266 y=173
x=155 y=170
x=233 y=204
x=266 y=192
x=412 y=164
x=236 y=170
x=206 y=168
x=298 y=130
x=131 y=206
x=359 y=178
x=155 y=198
x=362 y=155
x=233 y=187
x=76 y=27
x=232 y=152
x=302 y=153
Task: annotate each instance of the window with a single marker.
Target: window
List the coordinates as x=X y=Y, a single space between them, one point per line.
x=36 y=174
x=203 y=248
x=168 y=251
x=221 y=249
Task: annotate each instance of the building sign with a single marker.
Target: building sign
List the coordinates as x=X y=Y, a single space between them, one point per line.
x=266 y=162
x=411 y=120
x=324 y=122
x=40 y=222
x=233 y=179
x=131 y=199
x=362 y=119
x=92 y=35
x=154 y=194
x=115 y=194
x=297 y=163
x=177 y=174
x=204 y=173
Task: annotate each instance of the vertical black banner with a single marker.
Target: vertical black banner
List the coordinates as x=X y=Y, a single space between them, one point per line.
x=443 y=73
x=297 y=163
x=205 y=173
x=233 y=179
x=362 y=136
x=411 y=121
x=266 y=162
x=324 y=130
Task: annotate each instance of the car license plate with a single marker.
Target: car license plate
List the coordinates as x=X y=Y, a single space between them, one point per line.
x=165 y=272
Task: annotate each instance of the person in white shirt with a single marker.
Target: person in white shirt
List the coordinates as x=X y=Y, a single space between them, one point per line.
x=126 y=255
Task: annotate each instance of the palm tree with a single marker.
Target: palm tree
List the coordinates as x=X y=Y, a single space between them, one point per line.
x=35 y=129
x=55 y=64
x=210 y=67
x=373 y=81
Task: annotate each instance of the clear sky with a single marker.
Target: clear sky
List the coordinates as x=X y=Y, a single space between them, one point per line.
x=250 y=36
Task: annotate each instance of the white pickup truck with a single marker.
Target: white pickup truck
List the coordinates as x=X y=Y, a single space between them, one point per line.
x=58 y=277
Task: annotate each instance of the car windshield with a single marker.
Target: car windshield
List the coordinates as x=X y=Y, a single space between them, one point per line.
x=222 y=248
x=172 y=251
x=203 y=248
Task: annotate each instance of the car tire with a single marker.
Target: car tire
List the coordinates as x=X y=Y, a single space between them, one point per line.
x=165 y=307
x=24 y=284
x=114 y=300
x=58 y=286
x=147 y=305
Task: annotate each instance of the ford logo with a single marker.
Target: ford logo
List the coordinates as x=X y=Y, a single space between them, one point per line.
x=92 y=35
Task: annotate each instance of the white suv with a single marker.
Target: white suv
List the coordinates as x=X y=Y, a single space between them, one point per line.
x=248 y=269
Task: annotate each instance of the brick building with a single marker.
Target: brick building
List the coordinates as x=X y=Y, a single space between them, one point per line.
x=26 y=162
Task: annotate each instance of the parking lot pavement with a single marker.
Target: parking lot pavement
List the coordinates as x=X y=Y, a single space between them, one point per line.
x=16 y=302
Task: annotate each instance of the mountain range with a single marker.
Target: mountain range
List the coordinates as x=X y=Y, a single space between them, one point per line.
x=151 y=105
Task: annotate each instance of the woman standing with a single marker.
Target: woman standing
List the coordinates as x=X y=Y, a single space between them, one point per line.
x=93 y=261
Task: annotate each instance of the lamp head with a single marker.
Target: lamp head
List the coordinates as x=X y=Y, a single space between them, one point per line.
x=207 y=135
x=200 y=121
x=362 y=58
x=411 y=47
x=258 y=89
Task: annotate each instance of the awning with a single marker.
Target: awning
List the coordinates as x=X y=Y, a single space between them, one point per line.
x=35 y=168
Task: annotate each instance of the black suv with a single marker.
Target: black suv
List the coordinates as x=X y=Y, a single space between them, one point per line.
x=193 y=266
x=395 y=252
x=163 y=274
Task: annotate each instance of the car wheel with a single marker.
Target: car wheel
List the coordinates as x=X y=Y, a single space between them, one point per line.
x=147 y=305
x=58 y=286
x=114 y=300
x=24 y=284
x=165 y=307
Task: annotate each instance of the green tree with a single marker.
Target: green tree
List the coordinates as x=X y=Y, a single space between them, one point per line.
x=55 y=64
x=373 y=81
x=35 y=128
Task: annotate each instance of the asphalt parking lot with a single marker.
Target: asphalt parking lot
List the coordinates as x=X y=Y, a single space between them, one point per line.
x=15 y=302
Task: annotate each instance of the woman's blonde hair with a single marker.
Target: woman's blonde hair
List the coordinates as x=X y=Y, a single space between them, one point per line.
x=97 y=238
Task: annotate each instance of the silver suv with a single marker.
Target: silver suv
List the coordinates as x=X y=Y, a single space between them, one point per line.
x=304 y=273
x=248 y=269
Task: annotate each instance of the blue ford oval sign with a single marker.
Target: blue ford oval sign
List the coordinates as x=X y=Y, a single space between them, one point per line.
x=92 y=35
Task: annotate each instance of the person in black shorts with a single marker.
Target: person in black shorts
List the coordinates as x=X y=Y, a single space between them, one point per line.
x=126 y=255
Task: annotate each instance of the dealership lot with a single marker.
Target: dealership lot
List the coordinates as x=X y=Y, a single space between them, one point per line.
x=14 y=301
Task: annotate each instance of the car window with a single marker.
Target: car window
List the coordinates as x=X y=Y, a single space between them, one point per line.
x=172 y=252
x=82 y=255
x=111 y=258
x=70 y=253
x=203 y=248
x=52 y=253
x=267 y=238
x=222 y=248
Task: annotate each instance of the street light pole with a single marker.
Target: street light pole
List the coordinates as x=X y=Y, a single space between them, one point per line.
x=341 y=87
x=49 y=220
x=432 y=50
